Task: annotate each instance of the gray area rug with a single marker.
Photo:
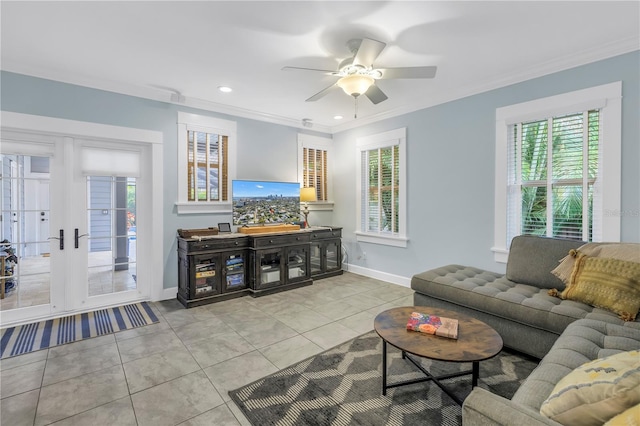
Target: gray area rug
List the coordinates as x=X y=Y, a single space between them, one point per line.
x=343 y=386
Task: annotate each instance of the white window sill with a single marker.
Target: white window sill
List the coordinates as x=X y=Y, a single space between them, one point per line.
x=192 y=207
x=500 y=255
x=316 y=206
x=384 y=239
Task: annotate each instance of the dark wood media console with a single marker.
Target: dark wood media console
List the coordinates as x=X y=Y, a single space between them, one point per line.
x=213 y=268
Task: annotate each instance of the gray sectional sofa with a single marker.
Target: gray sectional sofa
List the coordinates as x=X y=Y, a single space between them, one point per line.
x=563 y=333
x=516 y=304
x=583 y=340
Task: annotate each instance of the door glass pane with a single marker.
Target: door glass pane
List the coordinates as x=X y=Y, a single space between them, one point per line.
x=112 y=236
x=24 y=230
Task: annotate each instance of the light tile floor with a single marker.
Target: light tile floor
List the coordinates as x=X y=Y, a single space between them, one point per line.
x=180 y=370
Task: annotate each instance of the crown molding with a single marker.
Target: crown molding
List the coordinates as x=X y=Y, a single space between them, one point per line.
x=598 y=53
x=160 y=95
x=602 y=52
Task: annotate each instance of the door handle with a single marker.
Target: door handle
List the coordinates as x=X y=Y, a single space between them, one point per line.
x=60 y=238
x=77 y=237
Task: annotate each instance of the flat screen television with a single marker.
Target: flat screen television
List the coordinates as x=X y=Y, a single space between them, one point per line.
x=262 y=202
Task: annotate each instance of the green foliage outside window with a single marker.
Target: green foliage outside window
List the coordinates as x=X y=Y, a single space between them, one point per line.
x=566 y=177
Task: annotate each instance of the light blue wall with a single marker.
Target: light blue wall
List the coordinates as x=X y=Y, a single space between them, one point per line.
x=450 y=155
x=450 y=161
x=265 y=151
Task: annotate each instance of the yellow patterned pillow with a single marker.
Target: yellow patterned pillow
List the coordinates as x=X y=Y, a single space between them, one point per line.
x=606 y=283
x=630 y=417
x=596 y=391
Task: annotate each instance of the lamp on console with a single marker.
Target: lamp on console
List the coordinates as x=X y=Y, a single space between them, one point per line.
x=307 y=194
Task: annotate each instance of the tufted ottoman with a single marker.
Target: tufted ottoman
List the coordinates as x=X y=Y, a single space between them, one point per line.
x=583 y=340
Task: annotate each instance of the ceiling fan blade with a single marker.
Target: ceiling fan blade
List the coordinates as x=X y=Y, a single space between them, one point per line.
x=308 y=69
x=320 y=94
x=375 y=95
x=408 y=72
x=368 y=52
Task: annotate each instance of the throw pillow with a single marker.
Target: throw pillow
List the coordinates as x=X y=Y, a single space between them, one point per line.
x=565 y=267
x=606 y=283
x=630 y=417
x=596 y=391
x=622 y=251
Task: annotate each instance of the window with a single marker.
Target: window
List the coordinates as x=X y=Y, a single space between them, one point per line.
x=314 y=171
x=205 y=159
x=314 y=157
x=207 y=166
x=382 y=188
x=552 y=174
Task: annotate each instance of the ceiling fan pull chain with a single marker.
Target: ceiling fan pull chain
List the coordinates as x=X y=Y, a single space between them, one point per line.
x=355 y=115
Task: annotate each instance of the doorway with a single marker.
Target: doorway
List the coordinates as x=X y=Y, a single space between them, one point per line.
x=76 y=214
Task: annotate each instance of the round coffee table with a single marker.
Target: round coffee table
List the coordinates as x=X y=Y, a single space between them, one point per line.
x=476 y=342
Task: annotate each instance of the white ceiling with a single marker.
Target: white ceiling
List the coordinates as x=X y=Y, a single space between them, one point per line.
x=154 y=49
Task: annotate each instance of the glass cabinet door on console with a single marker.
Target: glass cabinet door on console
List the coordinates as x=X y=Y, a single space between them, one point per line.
x=234 y=270
x=269 y=267
x=333 y=256
x=211 y=267
x=326 y=253
x=207 y=271
x=316 y=258
x=297 y=263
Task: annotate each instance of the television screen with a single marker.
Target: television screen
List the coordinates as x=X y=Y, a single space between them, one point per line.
x=261 y=202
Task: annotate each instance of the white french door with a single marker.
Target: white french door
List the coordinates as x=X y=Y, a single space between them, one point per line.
x=95 y=200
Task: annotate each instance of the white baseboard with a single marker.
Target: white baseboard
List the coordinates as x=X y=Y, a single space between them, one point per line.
x=167 y=294
x=379 y=275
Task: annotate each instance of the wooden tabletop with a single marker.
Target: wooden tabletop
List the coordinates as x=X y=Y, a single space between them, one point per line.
x=476 y=340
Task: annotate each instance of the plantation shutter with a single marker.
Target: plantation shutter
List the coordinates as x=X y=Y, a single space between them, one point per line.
x=207 y=169
x=314 y=173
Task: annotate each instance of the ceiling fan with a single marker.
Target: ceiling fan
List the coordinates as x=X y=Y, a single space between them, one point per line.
x=358 y=75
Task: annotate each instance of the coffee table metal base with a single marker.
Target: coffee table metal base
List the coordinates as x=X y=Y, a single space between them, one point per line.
x=475 y=369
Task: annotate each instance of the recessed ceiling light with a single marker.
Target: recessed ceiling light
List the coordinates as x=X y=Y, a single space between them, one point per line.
x=225 y=89
x=337 y=117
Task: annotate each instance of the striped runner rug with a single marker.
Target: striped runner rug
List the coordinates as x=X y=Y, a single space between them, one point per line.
x=45 y=334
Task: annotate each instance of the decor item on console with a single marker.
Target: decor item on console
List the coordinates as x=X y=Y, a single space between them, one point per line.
x=307 y=194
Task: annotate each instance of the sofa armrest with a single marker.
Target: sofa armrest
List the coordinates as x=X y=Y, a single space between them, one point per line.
x=482 y=408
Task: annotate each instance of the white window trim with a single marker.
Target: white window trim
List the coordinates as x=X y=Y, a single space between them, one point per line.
x=187 y=121
x=608 y=97
x=383 y=140
x=317 y=142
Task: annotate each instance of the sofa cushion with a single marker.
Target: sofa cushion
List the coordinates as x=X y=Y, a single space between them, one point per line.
x=607 y=283
x=629 y=417
x=596 y=391
x=532 y=258
x=621 y=251
x=492 y=293
x=582 y=341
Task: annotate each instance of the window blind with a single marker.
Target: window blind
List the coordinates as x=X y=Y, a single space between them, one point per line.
x=109 y=162
x=552 y=168
x=381 y=194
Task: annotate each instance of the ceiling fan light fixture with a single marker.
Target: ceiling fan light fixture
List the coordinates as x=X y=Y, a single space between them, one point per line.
x=355 y=85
